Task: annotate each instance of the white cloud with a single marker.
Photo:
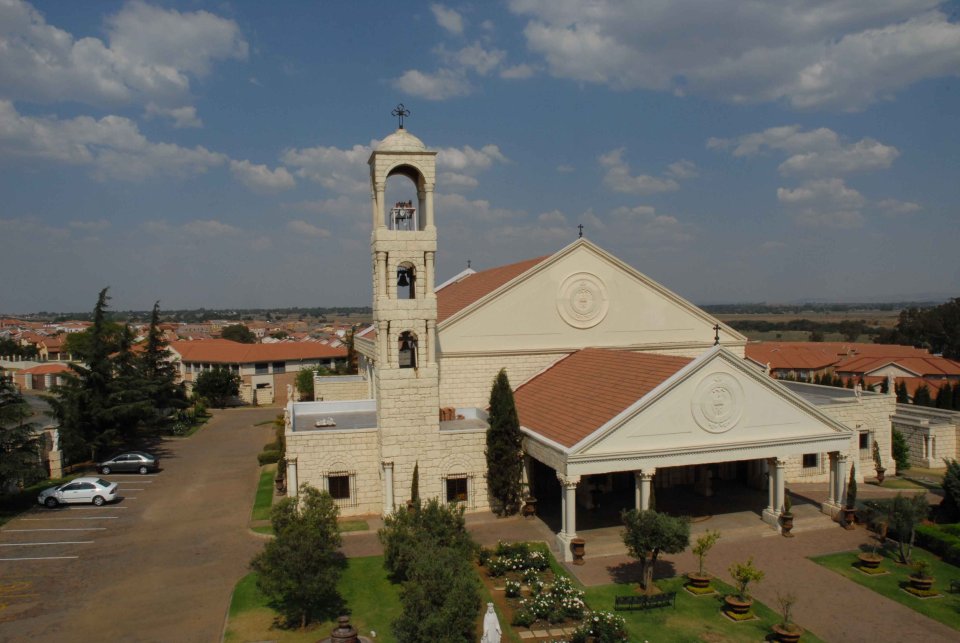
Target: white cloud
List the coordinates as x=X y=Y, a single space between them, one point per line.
x=339 y=170
x=647 y=228
x=182 y=117
x=339 y=206
x=449 y=19
x=683 y=169
x=150 y=55
x=466 y=158
x=565 y=169
x=824 y=203
x=844 y=54
x=307 y=229
x=112 y=146
x=478 y=210
x=894 y=207
x=517 y=72
x=619 y=179
x=445 y=83
x=453 y=181
x=813 y=152
x=478 y=58
x=261 y=177
x=209 y=228
x=553 y=217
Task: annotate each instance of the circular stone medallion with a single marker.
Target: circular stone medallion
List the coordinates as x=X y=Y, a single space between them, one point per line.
x=582 y=300
x=717 y=403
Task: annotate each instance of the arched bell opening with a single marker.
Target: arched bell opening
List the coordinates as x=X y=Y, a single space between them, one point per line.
x=406 y=281
x=403 y=199
x=407 y=350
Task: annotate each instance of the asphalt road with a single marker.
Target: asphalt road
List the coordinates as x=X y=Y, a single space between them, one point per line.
x=160 y=565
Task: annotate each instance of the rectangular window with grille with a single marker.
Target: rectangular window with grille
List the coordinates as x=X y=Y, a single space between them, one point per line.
x=457 y=488
x=811 y=460
x=342 y=487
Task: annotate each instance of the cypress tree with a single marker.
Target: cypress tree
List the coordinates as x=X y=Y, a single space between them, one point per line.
x=921 y=397
x=504 y=444
x=902 y=396
x=956 y=396
x=945 y=397
x=415 y=484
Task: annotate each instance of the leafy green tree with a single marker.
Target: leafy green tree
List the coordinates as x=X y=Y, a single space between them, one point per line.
x=950 y=505
x=900 y=514
x=238 y=333
x=20 y=445
x=703 y=546
x=743 y=574
x=304 y=383
x=504 y=448
x=647 y=534
x=80 y=345
x=900 y=450
x=219 y=385
x=440 y=600
x=299 y=569
x=427 y=524
x=937 y=329
x=10 y=348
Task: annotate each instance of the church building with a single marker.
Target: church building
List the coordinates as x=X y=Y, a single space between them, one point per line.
x=623 y=388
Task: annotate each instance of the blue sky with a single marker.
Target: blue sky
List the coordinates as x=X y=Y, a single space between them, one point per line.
x=214 y=154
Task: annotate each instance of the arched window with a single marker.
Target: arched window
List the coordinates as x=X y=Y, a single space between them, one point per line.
x=401 y=196
x=406 y=281
x=407 y=352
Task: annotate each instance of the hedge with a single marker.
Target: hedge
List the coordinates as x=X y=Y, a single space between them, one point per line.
x=268 y=457
x=937 y=540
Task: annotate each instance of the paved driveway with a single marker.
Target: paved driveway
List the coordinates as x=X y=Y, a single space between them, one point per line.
x=163 y=566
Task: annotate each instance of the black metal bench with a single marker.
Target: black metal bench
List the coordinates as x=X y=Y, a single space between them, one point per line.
x=645 y=602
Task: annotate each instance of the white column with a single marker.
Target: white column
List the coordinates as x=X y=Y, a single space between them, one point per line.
x=780 y=475
x=841 y=478
x=292 y=484
x=428 y=206
x=642 y=480
x=388 y=504
x=832 y=492
x=379 y=213
x=771 y=485
x=568 y=527
x=431 y=342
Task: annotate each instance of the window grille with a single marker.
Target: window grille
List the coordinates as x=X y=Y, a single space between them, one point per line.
x=812 y=464
x=342 y=487
x=458 y=489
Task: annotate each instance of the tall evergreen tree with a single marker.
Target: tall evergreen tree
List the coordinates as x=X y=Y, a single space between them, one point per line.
x=902 y=396
x=159 y=375
x=504 y=448
x=921 y=396
x=945 y=397
x=20 y=445
x=956 y=396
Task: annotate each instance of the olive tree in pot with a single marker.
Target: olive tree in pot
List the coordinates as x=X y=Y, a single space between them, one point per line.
x=878 y=463
x=786 y=630
x=786 y=516
x=739 y=603
x=921 y=579
x=700 y=580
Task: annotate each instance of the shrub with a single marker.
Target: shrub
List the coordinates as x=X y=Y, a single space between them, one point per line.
x=605 y=627
x=744 y=574
x=940 y=541
x=901 y=451
x=484 y=556
x=512 y=588
x=268 y=457
x=428 y=525
x=523 y=618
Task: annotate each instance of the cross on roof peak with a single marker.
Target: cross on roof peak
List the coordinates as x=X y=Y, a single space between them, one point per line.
x=400 y=111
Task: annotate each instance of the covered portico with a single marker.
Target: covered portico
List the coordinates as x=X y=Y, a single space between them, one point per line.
x=712 y=410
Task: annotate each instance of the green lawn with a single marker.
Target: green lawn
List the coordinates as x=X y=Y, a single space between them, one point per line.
x=946 y=609
x=373 y=601
x=899 y=483
x=353 y=525
x=264 y=498
x=695 y=618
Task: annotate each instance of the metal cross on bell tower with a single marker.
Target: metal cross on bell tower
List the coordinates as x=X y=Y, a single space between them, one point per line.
x=716 y=334
x=580 y=233
x=400 y=111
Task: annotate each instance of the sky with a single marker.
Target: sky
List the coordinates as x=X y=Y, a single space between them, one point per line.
x=214 y=154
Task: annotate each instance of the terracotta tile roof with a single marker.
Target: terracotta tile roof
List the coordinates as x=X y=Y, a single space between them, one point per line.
x=223 y=351
x=583 y=391
x=454 y=297
x=819 y=355
x=929 y=365
x=47 y=369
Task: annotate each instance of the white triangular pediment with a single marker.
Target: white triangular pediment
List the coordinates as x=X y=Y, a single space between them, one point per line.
x=717 y=402
x=581 y=296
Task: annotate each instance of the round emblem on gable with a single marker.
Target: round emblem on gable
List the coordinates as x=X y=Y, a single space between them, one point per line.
x=582 y=300
x=717 y=403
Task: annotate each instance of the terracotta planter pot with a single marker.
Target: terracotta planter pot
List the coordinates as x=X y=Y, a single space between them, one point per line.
x=880 y=475
x=735 y=606
x=786 y=525
x=529 y=508
x=923 y=584
x=787 y=636
x=578 y=547
x=869 y=560
x=699 y=581
x=849 y=518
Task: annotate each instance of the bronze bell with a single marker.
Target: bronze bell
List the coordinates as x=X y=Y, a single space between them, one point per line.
x=402 y=277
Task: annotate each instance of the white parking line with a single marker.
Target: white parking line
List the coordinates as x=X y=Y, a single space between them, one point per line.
x=41 y=558
x=61 y=529
x=59 y=542
x=102 y=507
x=68 y=518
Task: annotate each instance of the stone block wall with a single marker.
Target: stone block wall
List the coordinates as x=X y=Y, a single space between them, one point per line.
x=319 y=453
x=466 y=381
x=351 y=387
x=931 y=434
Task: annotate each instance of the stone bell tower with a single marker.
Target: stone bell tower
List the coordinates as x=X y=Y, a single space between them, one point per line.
x=406 y=377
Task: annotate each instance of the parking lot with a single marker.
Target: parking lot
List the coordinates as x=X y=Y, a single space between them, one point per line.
x=158 y=564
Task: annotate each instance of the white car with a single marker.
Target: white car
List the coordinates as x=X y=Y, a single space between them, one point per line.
x=89 y=489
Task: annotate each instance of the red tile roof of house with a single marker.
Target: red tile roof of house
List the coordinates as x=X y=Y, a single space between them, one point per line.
x=819 y=355
x=454 y=297
x=582 y=392
x=47 y=369
x=930 y=365
x=224 y=351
